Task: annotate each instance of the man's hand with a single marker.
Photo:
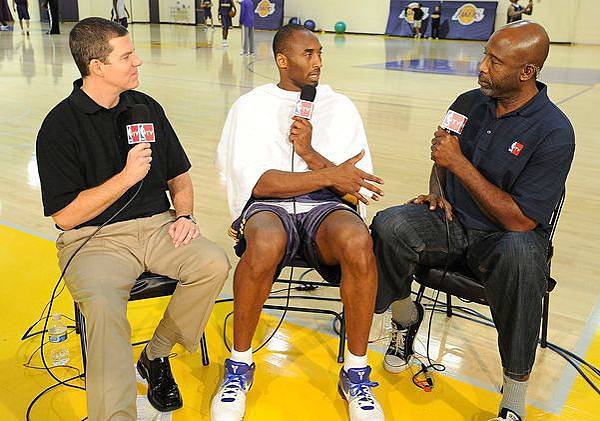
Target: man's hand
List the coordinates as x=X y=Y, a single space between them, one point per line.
x=445 y=150
x=347 y=179
x=301 y=135
x=183 y=231
x=138 y=163
x=435 y=202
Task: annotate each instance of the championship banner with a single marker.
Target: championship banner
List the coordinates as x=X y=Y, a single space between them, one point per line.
x=459 y=19
x=268 y=14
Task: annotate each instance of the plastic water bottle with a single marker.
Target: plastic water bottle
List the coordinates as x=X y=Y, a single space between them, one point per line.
x=57 y=335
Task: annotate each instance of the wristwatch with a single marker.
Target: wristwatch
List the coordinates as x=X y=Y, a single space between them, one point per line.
x=190 y=217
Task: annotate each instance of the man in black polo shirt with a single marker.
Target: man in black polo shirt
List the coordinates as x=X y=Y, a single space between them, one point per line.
x=91 y=176
x=502 y=179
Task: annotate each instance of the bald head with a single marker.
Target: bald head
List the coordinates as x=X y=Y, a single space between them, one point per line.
x=514 y=56
x=525 y=41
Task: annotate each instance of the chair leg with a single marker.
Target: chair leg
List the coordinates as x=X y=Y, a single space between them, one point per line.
x=420 y=293
x=204 y=351
x=80 y=321
x=448 y=305
x=342 y=345
x=545 y=309
x=77 y=326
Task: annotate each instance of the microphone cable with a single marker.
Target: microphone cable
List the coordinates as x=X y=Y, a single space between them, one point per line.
x=288 y=289
x=427 y=385
x=50 y=304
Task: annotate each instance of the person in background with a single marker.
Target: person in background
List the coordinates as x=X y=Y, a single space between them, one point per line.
x=120 y=13
x=22 y=9
x=5 y=16
x=417 y=20
x=435 y=22
x=206 y=5
x=53 y=19
x=227 y=11
x=515 y=11
x=247 y=23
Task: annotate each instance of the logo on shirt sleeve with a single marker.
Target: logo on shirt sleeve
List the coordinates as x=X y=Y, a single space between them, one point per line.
x=516 y=148
x=140 y=133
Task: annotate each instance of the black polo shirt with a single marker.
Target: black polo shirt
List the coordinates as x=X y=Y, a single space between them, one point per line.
x=526 y=153
x=82 y=144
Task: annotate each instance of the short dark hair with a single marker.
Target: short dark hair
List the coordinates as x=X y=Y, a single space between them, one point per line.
x=283 y=36
x=89 y=38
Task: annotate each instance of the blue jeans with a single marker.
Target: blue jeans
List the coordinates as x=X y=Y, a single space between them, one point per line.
x=511 y=266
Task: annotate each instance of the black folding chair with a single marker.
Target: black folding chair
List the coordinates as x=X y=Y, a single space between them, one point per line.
x=460 y=282
x=148 y=285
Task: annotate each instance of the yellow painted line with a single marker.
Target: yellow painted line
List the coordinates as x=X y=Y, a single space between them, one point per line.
x=296 y=377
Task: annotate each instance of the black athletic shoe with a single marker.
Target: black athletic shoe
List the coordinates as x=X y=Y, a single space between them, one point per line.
x=397 y=356
x=163 y=392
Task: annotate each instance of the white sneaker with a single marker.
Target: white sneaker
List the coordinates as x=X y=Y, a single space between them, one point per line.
x=355 y=387
x=229 y=404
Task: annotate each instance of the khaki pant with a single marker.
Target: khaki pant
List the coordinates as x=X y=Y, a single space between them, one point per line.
x=100 y=279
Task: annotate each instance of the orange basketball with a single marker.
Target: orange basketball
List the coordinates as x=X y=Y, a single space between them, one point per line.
x=232 y=12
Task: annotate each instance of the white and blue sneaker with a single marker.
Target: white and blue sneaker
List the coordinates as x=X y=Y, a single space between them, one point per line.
x=229 y=404
x=355 y=387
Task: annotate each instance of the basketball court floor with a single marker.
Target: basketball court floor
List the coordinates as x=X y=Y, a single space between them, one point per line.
x=402 y=88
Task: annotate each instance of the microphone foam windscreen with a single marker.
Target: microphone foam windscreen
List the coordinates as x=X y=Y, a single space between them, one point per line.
x=308 y=93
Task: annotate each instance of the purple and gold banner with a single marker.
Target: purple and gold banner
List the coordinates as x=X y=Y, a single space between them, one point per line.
x=268 y=14
x=459 y=19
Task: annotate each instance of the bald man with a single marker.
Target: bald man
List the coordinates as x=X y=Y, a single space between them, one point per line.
x=501 y=179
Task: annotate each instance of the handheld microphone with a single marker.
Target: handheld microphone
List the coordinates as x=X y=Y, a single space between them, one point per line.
x=454 y=122
x=456 y=118
x=139 y=129
x=306 y=103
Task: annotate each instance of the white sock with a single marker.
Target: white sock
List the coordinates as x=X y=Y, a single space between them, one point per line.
x=513 y=395
x=354 y=361
x=242 y=356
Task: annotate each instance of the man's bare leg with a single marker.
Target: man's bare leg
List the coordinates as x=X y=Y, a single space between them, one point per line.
x=266 y=242
x=343 y=239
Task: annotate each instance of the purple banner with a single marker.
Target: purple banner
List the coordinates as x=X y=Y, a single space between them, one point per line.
x=268 y=14
x=459 y=19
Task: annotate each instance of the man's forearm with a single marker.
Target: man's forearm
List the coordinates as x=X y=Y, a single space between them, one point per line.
x=181 y=190
x=315 y=160
x=284 y=184
x=91 y=202
x=495 y=203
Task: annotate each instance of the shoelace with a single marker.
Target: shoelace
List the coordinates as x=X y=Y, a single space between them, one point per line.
x=166 y=382
x=232 y=385
x=398 y=341
x=363 y=393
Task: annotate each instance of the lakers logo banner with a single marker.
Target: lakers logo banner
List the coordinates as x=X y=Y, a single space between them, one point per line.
x=268 y=14
x=459 y=19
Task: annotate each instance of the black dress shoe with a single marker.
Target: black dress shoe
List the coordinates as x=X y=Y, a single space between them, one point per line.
x=163 y=392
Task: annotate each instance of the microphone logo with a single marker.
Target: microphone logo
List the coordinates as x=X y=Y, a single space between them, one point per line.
x=140 y=133
x=454 y=122
x=304 y=109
